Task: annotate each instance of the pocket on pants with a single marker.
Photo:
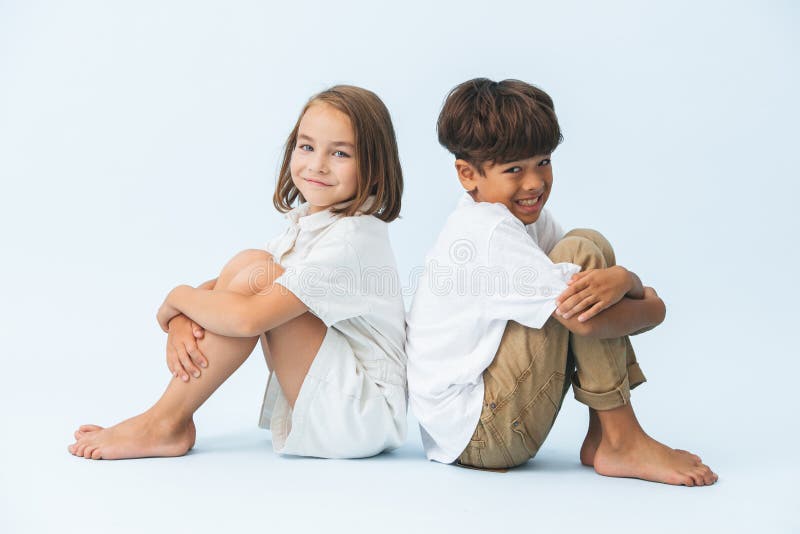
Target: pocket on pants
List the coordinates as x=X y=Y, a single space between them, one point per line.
x=536 y=418
x=473 y=453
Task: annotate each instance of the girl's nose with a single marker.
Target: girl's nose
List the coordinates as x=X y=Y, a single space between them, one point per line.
x=317 y=164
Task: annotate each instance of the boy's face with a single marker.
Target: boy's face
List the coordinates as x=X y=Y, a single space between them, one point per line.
x=522 y=186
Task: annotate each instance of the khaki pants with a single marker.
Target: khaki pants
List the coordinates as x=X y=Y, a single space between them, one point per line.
x=527 y=380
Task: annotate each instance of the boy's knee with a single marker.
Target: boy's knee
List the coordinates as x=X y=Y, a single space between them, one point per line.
x=580 y=251
x=600 y=243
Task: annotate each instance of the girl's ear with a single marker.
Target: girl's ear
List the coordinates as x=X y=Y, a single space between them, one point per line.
x=467 y=174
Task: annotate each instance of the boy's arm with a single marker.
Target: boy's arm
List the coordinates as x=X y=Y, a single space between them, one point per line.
x=627 y=317
x=232 y=314
x=594 y=290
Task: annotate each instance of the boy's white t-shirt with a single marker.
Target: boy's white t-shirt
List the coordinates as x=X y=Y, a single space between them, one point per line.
x=485 y=268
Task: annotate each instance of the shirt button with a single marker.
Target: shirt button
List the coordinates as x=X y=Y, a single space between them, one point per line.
x=492 y=406
x=515 y=423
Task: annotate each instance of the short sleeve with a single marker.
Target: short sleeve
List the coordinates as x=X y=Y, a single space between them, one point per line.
x=328 y=281
x=548 y=231
x=530 y=280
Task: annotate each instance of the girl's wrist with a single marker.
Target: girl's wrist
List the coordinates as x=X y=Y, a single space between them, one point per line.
x=175 y=295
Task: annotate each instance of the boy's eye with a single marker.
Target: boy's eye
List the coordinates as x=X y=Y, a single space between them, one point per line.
x=545 y=162
x=305 y=147
x=514 y=169
x=340 y=154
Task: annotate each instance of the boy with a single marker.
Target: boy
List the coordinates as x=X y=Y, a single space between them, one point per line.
x=509 y=305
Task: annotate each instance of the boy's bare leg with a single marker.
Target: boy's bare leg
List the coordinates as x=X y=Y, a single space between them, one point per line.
x=594 y=434
x=167 y=428
x=592 y=440
x=615 y=443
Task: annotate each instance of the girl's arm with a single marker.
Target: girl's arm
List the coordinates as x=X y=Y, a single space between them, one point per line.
x=210 y=284
x=233 y=314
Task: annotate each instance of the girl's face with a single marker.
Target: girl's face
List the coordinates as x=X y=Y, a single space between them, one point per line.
x=323 y=163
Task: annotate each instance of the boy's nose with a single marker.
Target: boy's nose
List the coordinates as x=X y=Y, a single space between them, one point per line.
x=533 y=183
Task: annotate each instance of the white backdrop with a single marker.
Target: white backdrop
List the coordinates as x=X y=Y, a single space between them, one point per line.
x=139 y=143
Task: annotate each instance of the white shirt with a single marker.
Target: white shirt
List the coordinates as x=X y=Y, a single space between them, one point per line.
x=344 y=271
x=485 y=268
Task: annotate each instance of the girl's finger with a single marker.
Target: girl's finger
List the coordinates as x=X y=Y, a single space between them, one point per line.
x=172 y=361
x=196 y=355
x=188 y=365
x=197 y=330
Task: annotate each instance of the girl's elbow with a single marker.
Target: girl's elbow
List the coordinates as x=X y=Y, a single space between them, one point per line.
x=249 y=328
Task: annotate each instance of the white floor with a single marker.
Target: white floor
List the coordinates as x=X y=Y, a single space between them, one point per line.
x=232 y=481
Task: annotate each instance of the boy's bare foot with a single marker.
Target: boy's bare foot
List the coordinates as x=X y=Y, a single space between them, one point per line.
x=640 y=456
x=594 y=435
x=139 y=437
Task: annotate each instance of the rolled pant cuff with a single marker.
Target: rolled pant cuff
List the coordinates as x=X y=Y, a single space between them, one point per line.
x=608 y=400
x=635 y=375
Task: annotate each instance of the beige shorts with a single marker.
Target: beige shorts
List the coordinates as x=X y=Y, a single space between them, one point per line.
x=340 y=412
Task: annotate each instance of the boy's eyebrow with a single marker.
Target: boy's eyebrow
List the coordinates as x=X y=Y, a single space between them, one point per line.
x=334 y=143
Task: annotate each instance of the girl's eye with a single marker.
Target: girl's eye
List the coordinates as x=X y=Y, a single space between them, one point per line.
x=545 y=162
x=340 y=154
x=515 y=169
x=306 y=148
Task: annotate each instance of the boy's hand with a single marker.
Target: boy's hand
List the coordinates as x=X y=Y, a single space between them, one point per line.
x=183 y=355
x=592 y=291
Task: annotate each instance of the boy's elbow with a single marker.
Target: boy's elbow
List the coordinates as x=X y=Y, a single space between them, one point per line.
x=582 y=329
x=585 y=329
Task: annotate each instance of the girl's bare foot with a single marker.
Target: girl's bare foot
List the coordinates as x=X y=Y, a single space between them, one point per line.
x=139 y=437
x=640 y=456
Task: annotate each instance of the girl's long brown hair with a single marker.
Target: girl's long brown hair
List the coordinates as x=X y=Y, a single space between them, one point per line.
x=377 y=159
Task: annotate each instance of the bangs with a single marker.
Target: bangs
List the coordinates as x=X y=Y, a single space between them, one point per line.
x=490 y=122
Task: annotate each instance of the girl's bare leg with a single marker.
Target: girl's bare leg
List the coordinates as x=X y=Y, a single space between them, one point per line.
x=167 y=428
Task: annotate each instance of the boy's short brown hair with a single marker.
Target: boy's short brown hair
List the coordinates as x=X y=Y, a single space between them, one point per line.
x=496 y=122
x=377 y=158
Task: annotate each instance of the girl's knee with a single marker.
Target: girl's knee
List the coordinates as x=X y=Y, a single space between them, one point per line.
x=249 y=271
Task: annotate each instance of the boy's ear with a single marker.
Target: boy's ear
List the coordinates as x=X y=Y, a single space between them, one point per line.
x=467 y=174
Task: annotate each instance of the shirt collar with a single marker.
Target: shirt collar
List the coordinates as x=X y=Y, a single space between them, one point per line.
x=465 y=200
x=316 y=221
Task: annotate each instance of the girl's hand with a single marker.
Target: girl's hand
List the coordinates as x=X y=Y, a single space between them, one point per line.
x=183 y=356
x=592 y=291
x=165 y=313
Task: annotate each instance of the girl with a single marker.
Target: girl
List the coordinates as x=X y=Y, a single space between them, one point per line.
x=322 y=299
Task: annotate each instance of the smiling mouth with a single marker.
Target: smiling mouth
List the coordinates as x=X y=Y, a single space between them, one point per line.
x=316 y=182
x=529 y=202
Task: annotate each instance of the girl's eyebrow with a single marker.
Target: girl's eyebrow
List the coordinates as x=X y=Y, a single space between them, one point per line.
x=334 y=143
